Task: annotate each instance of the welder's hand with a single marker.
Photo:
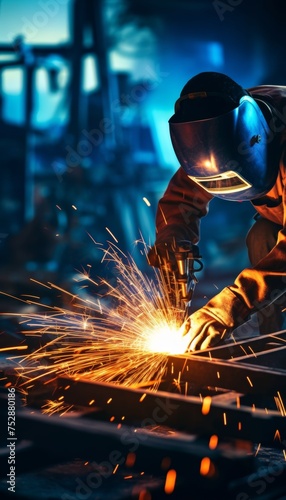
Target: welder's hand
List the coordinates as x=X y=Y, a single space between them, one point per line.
x=162 y=255
x=204 y=330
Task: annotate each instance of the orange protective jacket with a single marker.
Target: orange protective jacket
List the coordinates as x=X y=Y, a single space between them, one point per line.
x=184 y=203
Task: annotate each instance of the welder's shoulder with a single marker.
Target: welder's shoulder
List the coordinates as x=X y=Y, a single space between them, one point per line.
x=272 y=93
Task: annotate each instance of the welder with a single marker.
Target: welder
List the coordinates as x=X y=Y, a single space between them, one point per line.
x=230 y=143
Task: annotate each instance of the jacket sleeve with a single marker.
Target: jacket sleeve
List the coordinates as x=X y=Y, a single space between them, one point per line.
x=256 y=287
x=180 y=209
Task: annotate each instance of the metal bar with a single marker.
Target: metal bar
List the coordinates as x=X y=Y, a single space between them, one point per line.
x=239 y=377
x=39 y=50
x=237 y=348
x=76 y=116
x=11 y=64
x=184 y=413
x=261 y=358
x=233 y=475
x=64 y=50
x=110 y=444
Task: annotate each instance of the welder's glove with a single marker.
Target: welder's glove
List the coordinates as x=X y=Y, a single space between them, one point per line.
x=215 y=321
x=162 y=255
x=205 y=330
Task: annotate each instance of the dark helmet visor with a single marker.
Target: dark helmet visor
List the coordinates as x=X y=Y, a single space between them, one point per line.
x=227 y=154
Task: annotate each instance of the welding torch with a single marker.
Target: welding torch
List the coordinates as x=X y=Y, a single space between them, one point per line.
x=186 y=255
x=178 y=263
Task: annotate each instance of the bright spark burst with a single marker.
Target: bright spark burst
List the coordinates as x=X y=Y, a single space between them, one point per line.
x=122 y=337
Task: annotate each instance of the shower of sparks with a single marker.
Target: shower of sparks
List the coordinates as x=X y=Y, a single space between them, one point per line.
x=123 y=336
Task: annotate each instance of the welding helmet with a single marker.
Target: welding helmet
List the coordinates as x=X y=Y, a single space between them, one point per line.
x=220 y=136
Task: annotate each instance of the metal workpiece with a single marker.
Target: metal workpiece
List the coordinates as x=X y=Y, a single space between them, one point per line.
x=247 y=349
x=193 y=414
x=240 y=376
x=130 y=451
x=204 y=422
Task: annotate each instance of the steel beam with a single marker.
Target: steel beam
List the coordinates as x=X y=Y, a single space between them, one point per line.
x=239 y=377
x=235 y=348
x=184 y=413
x=108 y=445
x=52 y=440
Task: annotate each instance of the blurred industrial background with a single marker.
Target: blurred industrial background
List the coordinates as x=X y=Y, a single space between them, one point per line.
x=86 y=91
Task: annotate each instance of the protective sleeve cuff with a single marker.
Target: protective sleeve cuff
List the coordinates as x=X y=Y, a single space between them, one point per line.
x=227 y=308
